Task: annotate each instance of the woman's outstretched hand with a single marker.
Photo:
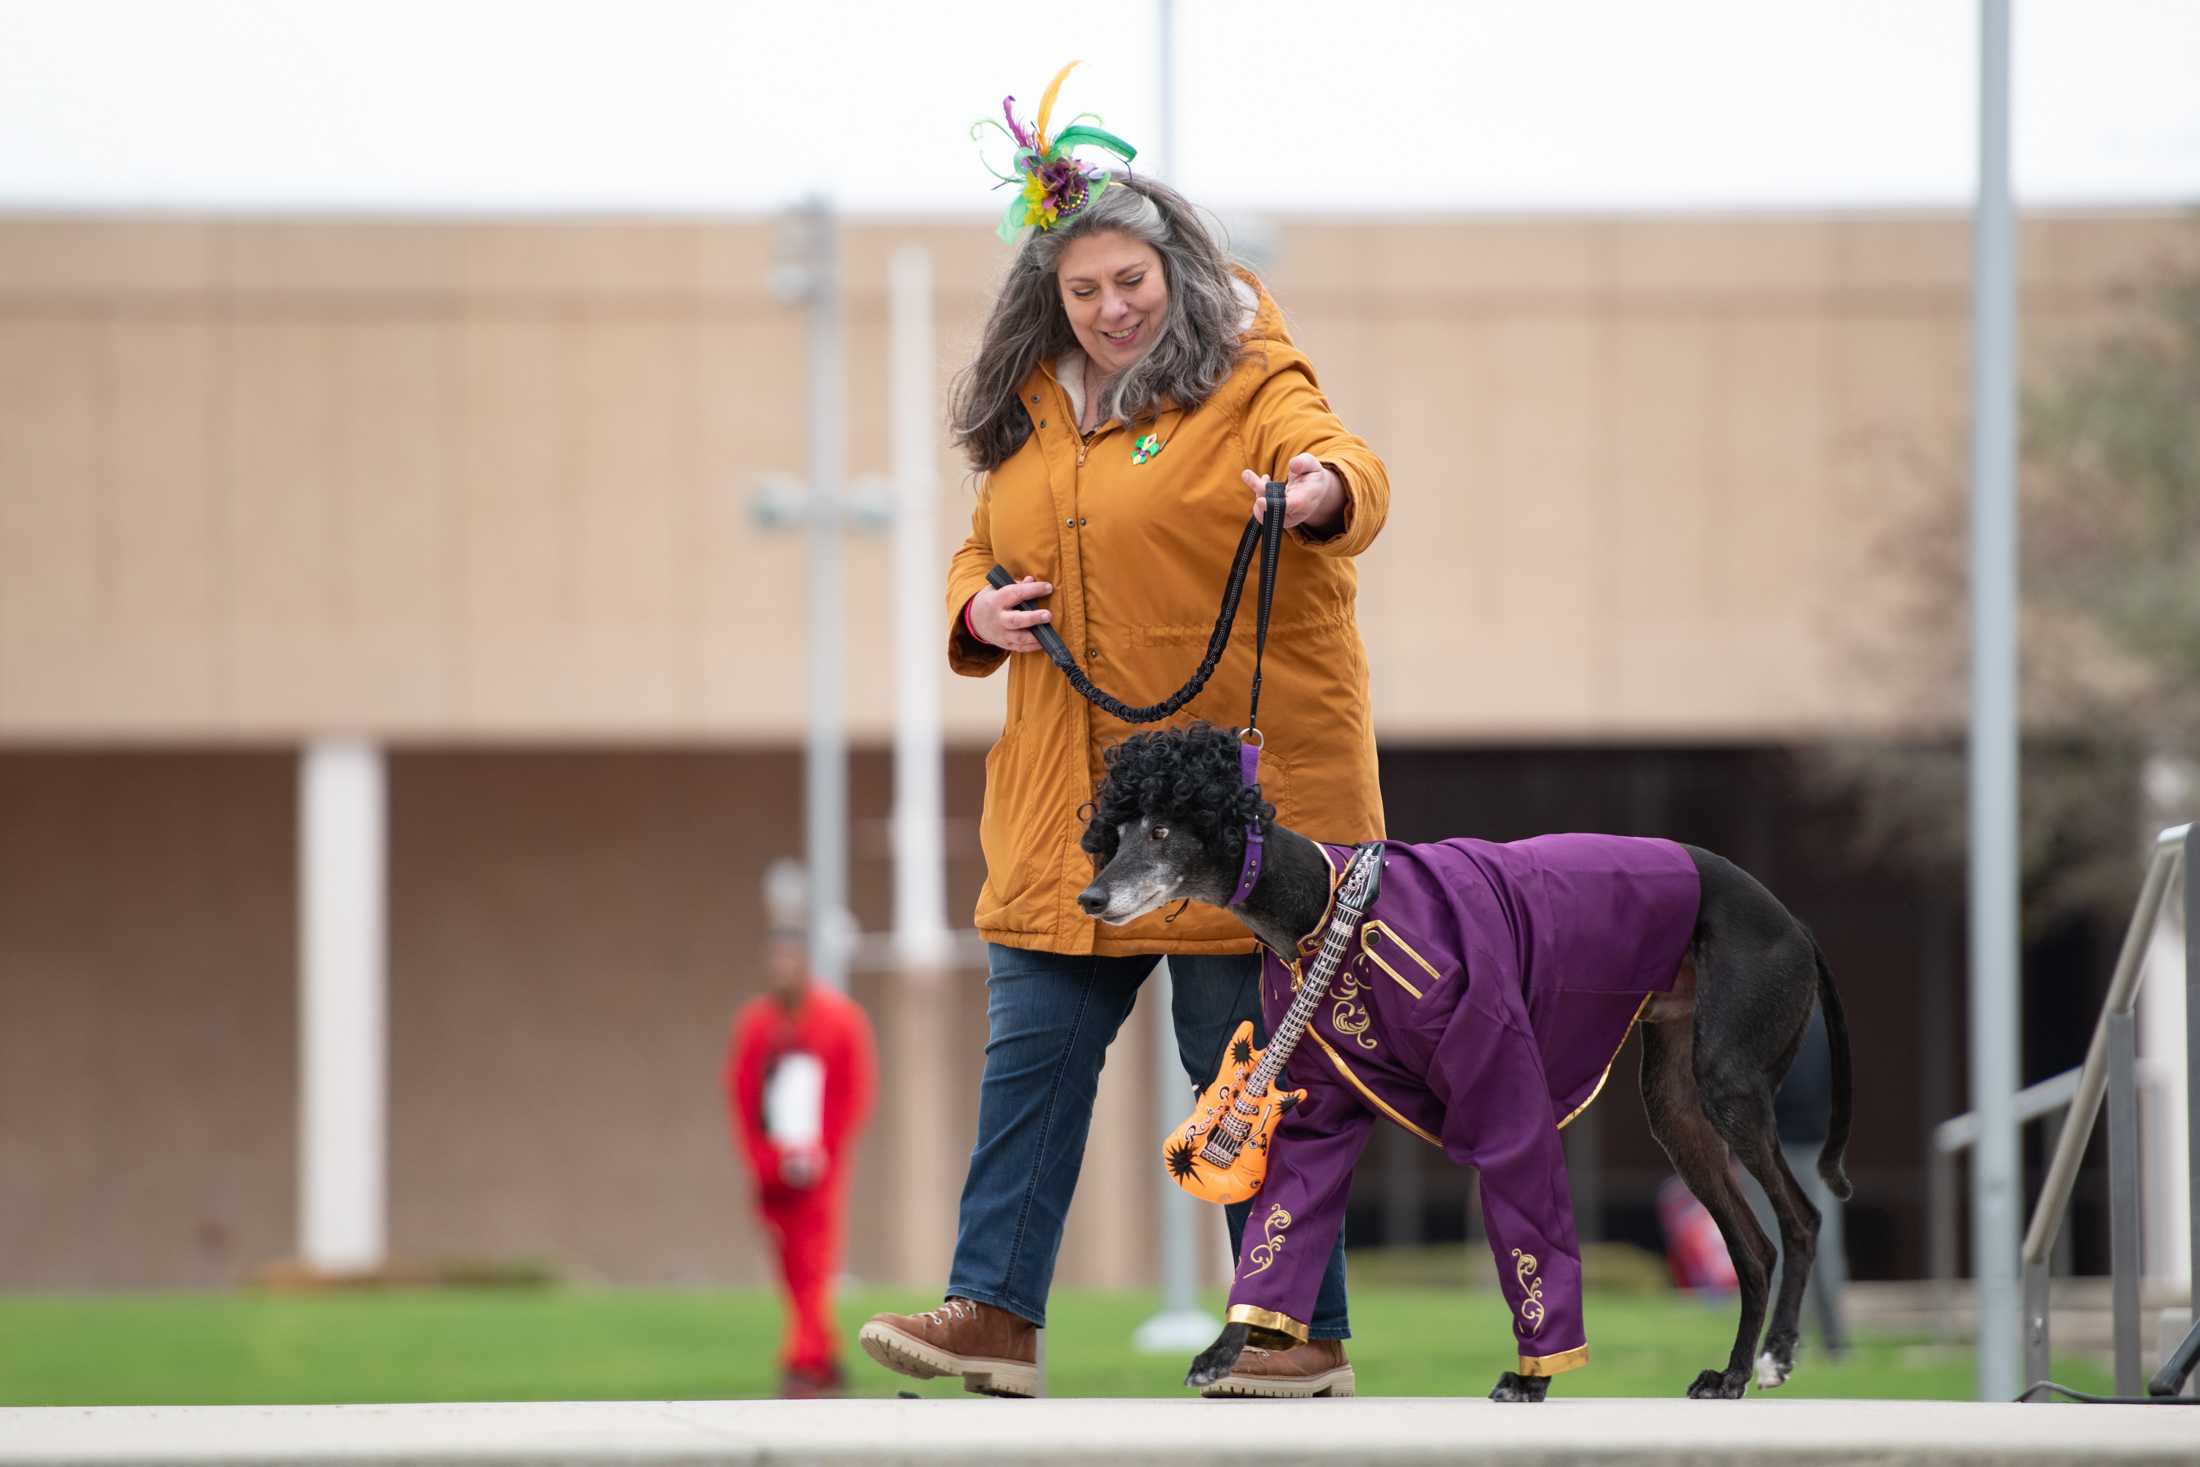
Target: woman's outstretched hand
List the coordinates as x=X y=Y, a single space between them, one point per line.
x=1313 y=496
x=998 y=617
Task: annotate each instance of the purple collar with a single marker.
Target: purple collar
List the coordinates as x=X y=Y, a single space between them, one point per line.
x=1249 y=873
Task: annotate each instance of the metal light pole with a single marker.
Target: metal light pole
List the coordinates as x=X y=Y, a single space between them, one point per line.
x=809 y=273
x=1165 y=67
x=1995 y=976
x=1181 y=1324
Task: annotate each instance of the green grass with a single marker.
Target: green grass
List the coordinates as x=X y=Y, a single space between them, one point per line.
x=576 y=1344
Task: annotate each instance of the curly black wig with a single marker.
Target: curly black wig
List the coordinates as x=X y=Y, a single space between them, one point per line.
x=1189 y=777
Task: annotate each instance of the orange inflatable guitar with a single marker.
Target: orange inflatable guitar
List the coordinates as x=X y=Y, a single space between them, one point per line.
x=1220 y=1153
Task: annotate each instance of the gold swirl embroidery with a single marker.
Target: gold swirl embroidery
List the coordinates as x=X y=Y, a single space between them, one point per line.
x=1531 y=1307
x=1264 y=1253
x=1346 y=1016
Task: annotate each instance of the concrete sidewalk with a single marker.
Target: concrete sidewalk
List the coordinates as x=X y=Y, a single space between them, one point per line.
x=1181 y=1433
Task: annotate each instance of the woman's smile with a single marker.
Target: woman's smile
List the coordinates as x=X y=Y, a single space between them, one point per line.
x=1113 y=291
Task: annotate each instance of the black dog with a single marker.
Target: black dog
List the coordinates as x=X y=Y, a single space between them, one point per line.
x=1168 y=825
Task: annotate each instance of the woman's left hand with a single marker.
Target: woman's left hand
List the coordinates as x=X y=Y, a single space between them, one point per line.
x=1313 y=496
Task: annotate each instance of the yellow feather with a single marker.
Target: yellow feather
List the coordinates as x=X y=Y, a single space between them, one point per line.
x=1046 y=104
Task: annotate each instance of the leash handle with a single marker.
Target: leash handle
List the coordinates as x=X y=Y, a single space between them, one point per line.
x=1271 y=551
x=1050 y=641
x=1267 y=535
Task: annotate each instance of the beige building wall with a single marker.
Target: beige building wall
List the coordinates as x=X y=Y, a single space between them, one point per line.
x=484 y=481
x=148 y=1053
x=570 y=935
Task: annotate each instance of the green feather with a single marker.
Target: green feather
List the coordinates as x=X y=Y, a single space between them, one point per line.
x=1077 y=137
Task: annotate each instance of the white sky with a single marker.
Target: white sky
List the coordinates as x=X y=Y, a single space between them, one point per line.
x=1297 y=105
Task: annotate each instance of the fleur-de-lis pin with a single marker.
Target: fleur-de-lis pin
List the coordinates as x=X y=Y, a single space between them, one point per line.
x=1145 y=448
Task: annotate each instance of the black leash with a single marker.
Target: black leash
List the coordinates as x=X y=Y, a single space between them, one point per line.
x=1267 y=533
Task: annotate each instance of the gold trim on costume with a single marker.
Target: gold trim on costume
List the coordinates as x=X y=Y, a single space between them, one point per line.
x=1378 y=925
x=1314 y=933
x=1393 y=972
x=1559 y=1364
x=1291 y=961
x=1282 y=1324
x=1366 y=1094
x=1263 y=1254
x=1631 y=1023
x=1531 y=1306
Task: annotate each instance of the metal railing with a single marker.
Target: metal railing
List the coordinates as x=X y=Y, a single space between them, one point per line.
x=2044 y=1101
x=2111 y=1066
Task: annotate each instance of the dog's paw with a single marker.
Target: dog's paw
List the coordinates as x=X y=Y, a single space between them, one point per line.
x=1719 y=1385
x=1515 y=1387
x=1214 y=1362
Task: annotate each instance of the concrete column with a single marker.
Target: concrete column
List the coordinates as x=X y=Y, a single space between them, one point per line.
x=920 y=802
x=342 y=1002
x=1180 y=1324
x=933 y=1133
x=930 y=1129
x=2172 y=789
x=2162 y=1173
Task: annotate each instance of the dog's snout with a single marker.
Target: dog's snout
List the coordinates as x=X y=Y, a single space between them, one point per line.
x=1092 y=899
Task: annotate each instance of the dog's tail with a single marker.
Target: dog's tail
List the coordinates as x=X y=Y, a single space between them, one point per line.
x=1837 y=1040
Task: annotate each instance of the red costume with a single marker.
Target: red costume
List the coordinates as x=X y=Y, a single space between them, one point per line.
x=799 y=1085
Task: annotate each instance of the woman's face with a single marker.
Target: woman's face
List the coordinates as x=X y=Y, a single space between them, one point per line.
x=1116 y=297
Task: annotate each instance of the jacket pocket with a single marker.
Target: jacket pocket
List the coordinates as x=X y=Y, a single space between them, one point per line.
x=1010 y=870
x=1390 y=954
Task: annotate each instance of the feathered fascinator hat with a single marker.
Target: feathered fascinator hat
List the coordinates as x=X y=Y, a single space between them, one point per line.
x=1054 y=184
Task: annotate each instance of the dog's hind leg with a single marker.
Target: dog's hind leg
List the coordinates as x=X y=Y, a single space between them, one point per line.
x=1799 y=1219
x=1757 y=974
x=1699 y=1153
x=1753 y=1000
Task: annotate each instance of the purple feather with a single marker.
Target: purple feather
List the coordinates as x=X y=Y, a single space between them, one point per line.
x=1021 y=133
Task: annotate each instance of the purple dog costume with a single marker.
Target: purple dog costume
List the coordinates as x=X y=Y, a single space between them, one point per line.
x=1481 y=1007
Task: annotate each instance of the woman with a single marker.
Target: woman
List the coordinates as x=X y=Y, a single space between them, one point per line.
x=1132 y=394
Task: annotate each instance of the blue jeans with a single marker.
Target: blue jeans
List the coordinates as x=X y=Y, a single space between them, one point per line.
x=1050 y=1018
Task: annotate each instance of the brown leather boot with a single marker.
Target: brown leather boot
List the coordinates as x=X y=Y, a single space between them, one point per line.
x=1315 y=1368
x=995 y=1352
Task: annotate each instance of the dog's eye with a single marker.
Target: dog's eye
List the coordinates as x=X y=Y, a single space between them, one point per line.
x=1159 y=832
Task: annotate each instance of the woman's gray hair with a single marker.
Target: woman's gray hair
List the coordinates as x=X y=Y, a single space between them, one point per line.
x=1192 y=355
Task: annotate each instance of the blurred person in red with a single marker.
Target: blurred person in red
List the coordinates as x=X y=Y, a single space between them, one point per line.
x=800 y=1076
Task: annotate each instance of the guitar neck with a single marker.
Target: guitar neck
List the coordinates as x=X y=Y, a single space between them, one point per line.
x=1311 y=992
x=1235 y=1126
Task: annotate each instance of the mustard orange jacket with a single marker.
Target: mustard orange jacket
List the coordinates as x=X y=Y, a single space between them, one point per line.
x=1137 y=553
